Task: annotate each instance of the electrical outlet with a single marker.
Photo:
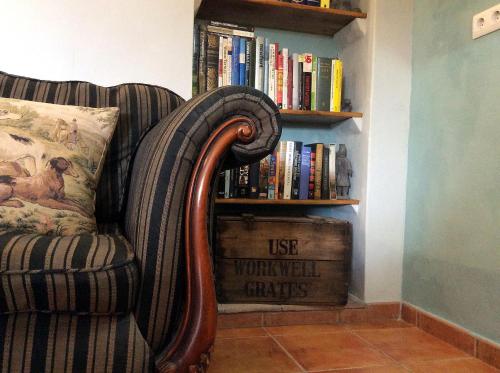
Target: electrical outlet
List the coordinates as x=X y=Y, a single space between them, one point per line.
x=485 y=22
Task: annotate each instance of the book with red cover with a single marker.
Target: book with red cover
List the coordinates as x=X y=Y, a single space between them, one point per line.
x=279 y=95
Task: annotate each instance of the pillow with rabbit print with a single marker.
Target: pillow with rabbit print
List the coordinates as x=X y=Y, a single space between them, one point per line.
x=50 y=162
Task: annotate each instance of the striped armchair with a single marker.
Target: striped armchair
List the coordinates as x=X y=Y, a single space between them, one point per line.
x=138 y=295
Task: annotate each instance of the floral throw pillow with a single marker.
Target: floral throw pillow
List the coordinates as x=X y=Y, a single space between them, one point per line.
x=51 y=158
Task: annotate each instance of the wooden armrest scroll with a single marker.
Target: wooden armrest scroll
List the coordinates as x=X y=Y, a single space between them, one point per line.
x=190 y=352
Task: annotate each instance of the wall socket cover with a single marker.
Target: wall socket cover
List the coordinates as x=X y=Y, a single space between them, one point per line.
x=485 y=22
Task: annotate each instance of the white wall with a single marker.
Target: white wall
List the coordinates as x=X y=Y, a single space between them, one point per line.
x=104 y=42
x=377 y=56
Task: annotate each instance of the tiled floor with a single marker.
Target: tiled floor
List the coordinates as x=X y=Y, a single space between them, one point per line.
x=369 y=347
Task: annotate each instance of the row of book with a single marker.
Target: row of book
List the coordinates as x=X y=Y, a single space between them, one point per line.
x=292 y=171
x=227 y=54
x=322 y=3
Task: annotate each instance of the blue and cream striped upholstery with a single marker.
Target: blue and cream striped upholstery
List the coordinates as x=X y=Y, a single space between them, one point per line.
x=64 y=343
x=141 y=107
x=83 y=274
x=154 y=214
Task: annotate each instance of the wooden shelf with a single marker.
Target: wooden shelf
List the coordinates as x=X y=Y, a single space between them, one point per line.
x=322 y=116
x=296 y=202
x=278 y=15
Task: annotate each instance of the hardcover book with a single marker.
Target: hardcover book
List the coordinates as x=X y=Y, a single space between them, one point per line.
x=280 y=169
x=266 y=66
x=288 y=177
x=242 y=62
x=271 y=180
x=336 y=93
x=220 y=77
x=290 y=83
x=312 y=172
x=235 y=65
x=307 y=80
x=284 y=100
x=259 y=63
x=305 y=169
x=263 y=176
x=317 y=150
x=323 y=84
x=212 y=61
x=331 y=173
x=297 y=168
x=279 y=95
x=202 y=60
x=272 y=71
x=314 y=76
x=295 y=81
x=325 y=182
x=250 y=68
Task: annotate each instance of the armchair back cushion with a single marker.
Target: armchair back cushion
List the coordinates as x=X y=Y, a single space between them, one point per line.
x=141 y=107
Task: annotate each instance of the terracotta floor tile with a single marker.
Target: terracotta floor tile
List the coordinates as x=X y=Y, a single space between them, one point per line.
x=469 y=365
x=378 y=324
x=380 y=369
x=305 y=329
x=410 y=344
x=331 y=351
x=239 y=320
x=240 y=333
x=250 y=355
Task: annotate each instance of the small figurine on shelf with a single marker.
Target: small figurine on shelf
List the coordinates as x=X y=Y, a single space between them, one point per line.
x=343 y=170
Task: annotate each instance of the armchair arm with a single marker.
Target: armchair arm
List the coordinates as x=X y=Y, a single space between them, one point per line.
x=169 y=196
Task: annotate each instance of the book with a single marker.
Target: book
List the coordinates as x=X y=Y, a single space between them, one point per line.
x=266 y=66
x=312 y=172
x=235 y=64
x=313 y=2
x=272 y=71
x=227 y=183
x=297 y=168
x=325 y=182
x=220 y=77
x=259 y=63
x=232 y=26
x=323 y=83
x=280 y=169
x=242 y=62
x=221 y=184
x=230 y=31
x=264 y=176
x=288 y=170
x=317 y=150
x=305 y=169
x=244 y=181
x=250 y=68
x=284 y=87
x=196 y=57
x=228 y=58
x=325 y=3
x=290 y=84
x=336 y=85
x=331 y=173
x=300 y=83
x=314 y=75
x=253 y=180
x=271 y=180
x=279 y=85
x=295 y=81
x=202 y=60
x=307 y=80
x=212 y=61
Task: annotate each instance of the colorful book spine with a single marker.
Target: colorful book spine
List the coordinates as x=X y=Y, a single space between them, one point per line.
x=244 y=181
x=325 y=3
x=297 y=168
x=288 y=175
x=290 y=83
x=312 y=172
x=305 y=169
x=325 y=183
x=220 y=77
x=266 y=66
x=314 y=75
x=229 y=61
x=271 y=180
x=318 y=169
x=230 y=31
x=242 y=62
x=331 y=173
x=307 y=80
x=300 y=81
x=323 y=83
x=235 y=65
x=336 y=93
x=280 y=169
x=253 y=180
x=295 y=81
x=264 y=176
x=212 y=61
x=272 y=71
x=284 y=60
x=279 y=85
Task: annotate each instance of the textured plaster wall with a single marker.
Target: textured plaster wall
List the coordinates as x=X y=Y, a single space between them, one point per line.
x=452 y=241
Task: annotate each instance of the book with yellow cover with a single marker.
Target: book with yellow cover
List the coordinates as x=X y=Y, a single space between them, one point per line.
x=336 y=88
x=325 y=3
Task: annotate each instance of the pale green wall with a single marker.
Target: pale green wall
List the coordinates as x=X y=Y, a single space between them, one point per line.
x=452 y=242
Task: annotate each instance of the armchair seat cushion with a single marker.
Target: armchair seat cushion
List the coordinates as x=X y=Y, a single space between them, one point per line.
x=81 y=274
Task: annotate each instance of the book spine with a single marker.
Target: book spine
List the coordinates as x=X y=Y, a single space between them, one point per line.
x=231 y=32
x=243 y=181
x=272 y=71
x=231 y=26
x=242 y=62
x=313 y=2
x=221 y=184
x=212 y=61
x=232 y=183
x=285 y=78
x=280 y=170
x=253 y=180
x=301 y=85
x=306 y=76
x=297 y=168
x=229 y=61
x=266 y=67
x=264 y=176
x=288 y=177
x=338 y=86
x=305 y=169
x=325 y=183
x=295 y=81
x=331 y=173
x=220 y=77
x=259 y=63
x=196 y=59
x=202 y=61
x=251 y=53
x=323 y=84
x=325 y=3
x=312 y=172
x=314 y=76
x=235 y=64
x=290 y=83
x=318 y=168
x=227 y=183
x=279 y=85
x=271 y=180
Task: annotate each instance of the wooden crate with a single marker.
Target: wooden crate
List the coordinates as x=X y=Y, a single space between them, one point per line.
x=282 y=260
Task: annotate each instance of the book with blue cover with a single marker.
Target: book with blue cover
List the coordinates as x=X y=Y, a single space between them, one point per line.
x=305 y=169
x=242 y=61
x=235 y=68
